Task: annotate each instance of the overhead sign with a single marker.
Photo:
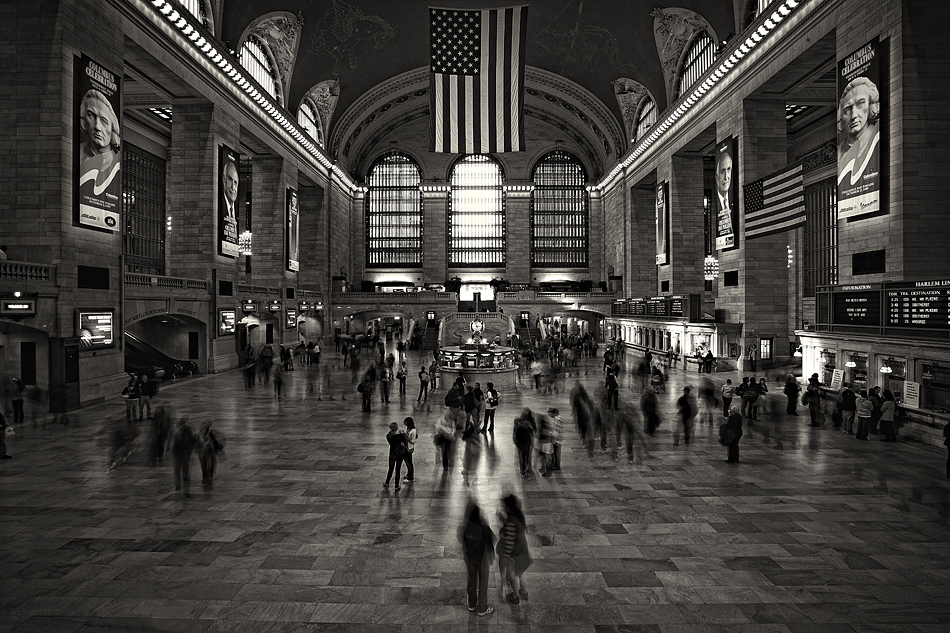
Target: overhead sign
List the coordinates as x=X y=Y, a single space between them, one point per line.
x=291 y=321
x=18 y=307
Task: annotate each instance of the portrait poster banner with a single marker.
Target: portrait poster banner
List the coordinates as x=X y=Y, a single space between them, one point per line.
x=859 y=132
x=293 y=231
x=228 y=162
x=98 y=134
x=727 y=194
x=662 y=223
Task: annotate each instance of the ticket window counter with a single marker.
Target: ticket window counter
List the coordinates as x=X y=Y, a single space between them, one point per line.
x=935 y=386
x=857 y=366
x=894 y=379
x=826 y=366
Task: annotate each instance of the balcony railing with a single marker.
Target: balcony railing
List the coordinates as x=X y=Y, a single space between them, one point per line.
x=27 y=271
x=396 y=297
x=138 y=280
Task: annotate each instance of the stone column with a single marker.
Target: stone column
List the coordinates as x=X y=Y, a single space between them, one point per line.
x=687 y=251
x=759 y=302
x=435 y=204
x=271 y=180
x=313 y=274
x=641 y=274
x=518 y=235
x=192 y=248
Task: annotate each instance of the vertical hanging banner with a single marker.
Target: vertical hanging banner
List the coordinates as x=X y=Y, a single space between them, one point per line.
x=98 y=135
x=662 y=222
x=228 y=161
x=293 y=231
x=859 y=132
x=476 y=80
x=727 y=199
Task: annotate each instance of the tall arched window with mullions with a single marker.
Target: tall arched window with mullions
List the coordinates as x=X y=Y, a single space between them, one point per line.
x=394 y=213
x=560 y=213
x=477 y=213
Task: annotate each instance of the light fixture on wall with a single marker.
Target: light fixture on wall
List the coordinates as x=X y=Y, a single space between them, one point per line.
x=886 y=367
x=798 y=352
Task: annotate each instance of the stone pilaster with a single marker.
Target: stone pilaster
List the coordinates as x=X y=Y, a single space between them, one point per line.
x=641 y=280
x=435 y=207
x=685 y=271
x=518 y=235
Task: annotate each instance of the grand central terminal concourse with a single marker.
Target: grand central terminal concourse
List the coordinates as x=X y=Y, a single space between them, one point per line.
x=388 y=316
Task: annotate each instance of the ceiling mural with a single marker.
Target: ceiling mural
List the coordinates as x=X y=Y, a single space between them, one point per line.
x=606 y=49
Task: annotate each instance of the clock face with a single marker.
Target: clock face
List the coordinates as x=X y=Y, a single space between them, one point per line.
x=477 y=325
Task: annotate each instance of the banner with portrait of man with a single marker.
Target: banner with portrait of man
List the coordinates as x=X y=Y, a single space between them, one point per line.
x=859 y=132
x=98 y=133
x=726 y=196
x=228 y=206
x=662 y=223
x=293 y=231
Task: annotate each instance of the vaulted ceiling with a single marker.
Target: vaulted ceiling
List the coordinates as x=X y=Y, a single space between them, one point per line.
x=588 y=63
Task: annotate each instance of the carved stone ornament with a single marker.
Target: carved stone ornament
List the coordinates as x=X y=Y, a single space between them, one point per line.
x=827 y=154
x=324 y=96
x=674 y=30
x=629 y=95
x=281 y=33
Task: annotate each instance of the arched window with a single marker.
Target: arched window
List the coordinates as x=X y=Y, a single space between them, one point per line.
x=700 y=57
x=255 y=60
x=645 y=118
x=560 y=217
x=394 y=213
x=197 y=9
x=477 y=213
x=309 y=120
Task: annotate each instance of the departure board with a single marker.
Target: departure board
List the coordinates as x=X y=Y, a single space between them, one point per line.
x=656 y=307
x=857 y=308
x=638 y=307
x=918 y=307
x=676 y=307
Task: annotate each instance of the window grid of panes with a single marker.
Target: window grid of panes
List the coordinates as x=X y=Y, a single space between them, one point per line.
x=254 y=59
x=143 y=211
x=646 y=118
x=197 y=9
x=560 y=218
x=701 y=56
x=307 y=119
x=394 y=213
x=246 y=177
x=477 y=214
x=821 y=235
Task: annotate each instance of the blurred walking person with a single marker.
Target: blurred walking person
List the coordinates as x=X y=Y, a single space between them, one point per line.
x=398 y=447
x=478 y=547
x=514 y=557
x=182 y=446
x=161 y=426
x=209 y=443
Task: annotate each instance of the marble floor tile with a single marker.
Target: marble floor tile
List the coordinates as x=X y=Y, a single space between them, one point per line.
x=809 y=533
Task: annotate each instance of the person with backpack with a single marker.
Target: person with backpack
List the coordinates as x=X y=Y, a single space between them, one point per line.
x=478 y=548
x=491 y=403
x=131 y=394
x=398 y=448
x=613 y=390
x=453 y=400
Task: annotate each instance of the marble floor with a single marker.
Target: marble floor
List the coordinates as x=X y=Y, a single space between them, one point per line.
x=813 y=531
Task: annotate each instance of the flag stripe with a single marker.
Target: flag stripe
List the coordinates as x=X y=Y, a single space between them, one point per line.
x=477 y=80
x=775 y=204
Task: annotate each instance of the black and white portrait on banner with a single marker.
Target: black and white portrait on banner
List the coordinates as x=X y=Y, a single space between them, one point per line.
x=99 y=143
x=293 y=231
x=859 y=132
x=228 y=207
x=727 y=202
x=662 y=223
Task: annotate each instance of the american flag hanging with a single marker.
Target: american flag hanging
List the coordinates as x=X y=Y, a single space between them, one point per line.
x=476 y=80
x=775 y=204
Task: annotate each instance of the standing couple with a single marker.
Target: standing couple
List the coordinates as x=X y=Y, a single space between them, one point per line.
x=478 y=546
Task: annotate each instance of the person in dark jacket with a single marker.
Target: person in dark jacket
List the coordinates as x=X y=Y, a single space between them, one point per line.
x=182 y=446
x=209 y=444
x=732 y=432
x=148 y=389
x=398 y=447
x=478 y=547
x=523 y=437
x=132 y=393
x=848 y=408
x=791 y=391
x=161 y=426
x=650 y=409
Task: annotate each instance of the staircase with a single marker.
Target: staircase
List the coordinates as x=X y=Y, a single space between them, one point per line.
x=528 y=335
x=430 y=338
